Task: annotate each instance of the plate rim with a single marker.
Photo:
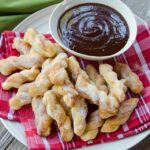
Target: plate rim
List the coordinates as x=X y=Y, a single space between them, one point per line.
x=5 y=122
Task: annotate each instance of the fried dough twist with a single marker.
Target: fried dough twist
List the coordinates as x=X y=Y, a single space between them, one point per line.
x=21 y=46
x=42 y=120
x=13 y=63
x=17 y=79
x=133 y=81
x=73 y=67
x=117 y=87
x=21 y=98
x=108 y=104
x=42 y=82
x=58 y=73
x=96 y=78
x=68 y=92
x=125 y=110
x=41 y=45
x=92 y=127
x=79 y=112
x=57 y=112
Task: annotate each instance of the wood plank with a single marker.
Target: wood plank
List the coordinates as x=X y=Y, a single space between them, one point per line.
x=15 y=145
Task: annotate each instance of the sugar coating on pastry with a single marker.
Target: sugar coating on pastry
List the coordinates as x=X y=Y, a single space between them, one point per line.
x=133 y=81
x=68 y=91
x=92 y=127
x=117 y=87
x=21 y=98
x=96 y=78
x=124 y=113
x=21 y=46
x=108 y=105
x=74 y=67
x=42 y=82
x=14 y=63
x=17 y=79
x=58 y=73
x=85 y=86
x=42 y=119
x=54 y=109
x=66 y=130
x=79 y=113
x=57 y=112
x=42 y=45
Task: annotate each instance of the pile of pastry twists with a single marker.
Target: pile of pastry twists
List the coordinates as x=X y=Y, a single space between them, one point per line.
x=59 y=90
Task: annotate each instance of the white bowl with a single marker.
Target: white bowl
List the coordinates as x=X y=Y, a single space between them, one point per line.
x=116 y=4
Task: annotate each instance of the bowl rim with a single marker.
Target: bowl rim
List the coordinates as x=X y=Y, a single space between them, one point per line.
x=91 y=57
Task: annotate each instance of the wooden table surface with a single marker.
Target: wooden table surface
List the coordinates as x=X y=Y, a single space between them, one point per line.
x=8 y=142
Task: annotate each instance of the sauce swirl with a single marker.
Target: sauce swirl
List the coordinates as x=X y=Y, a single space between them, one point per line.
x=93 y=29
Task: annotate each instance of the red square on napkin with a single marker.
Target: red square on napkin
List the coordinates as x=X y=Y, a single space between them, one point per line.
x=137 y=57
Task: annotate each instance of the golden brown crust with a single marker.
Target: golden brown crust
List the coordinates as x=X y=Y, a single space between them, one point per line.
x=42 y=120
x=21 y=98
x=117 y=87
x=96 y=78
x=125 y=110
x=17 y=79
x=13 y=63
x=21 y=46
x=92 y=127
x=57 y=112
x=133 y=81
x=79 y=112
x=58 y=73
x=42 y=82
x=41 y=45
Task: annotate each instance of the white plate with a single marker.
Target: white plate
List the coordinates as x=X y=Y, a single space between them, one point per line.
x=39 y=20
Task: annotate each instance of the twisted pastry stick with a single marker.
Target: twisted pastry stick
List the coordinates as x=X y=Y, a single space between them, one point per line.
x=133 y=81
x=56 y=111
x=112 y=124
x=57 y=73
x=117 y=87
x=21 y=98
x=42 y=120
x=96 y=78
x=79 y=112
x=92 y=126
x=42 y=82
x=108 y=104
x=74 y=67
x=87 y=88
x=17 y=79
x=83 y=83
x=43 y=46
x=21 y=46
x=66 y=130
x=68 y=92
x=13 y=63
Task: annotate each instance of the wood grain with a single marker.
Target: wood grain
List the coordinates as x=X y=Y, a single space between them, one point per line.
x=8 y=142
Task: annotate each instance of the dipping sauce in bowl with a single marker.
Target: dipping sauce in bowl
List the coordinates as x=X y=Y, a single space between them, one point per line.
x=93 y=29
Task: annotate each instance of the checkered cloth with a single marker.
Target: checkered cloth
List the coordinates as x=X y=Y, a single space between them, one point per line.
x=137 y=57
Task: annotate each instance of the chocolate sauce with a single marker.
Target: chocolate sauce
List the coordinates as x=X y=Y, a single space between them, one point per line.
x=93 y=29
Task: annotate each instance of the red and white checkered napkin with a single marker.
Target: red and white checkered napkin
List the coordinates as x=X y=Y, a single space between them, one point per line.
x=137 y=57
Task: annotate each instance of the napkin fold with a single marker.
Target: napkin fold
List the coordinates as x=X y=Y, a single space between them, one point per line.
x=137 y=57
